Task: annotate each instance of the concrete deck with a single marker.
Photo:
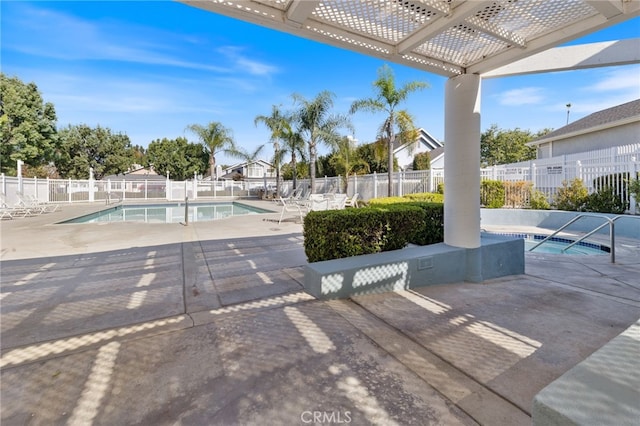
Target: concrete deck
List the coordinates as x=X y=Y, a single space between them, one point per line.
x=208 y=324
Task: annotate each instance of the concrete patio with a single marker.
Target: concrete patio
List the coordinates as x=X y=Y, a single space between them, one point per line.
x=208 y=324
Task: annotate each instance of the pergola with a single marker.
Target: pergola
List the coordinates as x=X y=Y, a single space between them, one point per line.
x=464 y=40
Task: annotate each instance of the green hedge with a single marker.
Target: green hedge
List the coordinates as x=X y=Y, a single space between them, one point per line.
x=492 y=194
x=335 y=234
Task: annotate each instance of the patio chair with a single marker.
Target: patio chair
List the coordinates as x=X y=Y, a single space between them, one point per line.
x=317 y=202
x=290 y=205
x=338 y=201
x=49 y=207
x=5 y=213
x=353 y=201
x=296 y=194
x=16 y=210
x=30 y=204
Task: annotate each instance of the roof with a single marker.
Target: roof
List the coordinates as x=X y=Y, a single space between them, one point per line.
x=436 y=153
x=246 y=163
x=446 y=37
x=426 y=139
x=610 y=117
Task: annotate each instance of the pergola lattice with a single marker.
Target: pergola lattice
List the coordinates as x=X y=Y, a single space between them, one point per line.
x=446 y=37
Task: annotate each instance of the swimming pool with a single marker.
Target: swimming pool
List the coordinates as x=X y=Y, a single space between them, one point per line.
x=555 y=245
x=169 y=213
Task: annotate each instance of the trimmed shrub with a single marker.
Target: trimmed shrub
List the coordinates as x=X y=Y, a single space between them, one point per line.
x=335 y=234
x=440 y=189
x=616 y=182
x=383 y=226
x=572 y=196
x=429 y=197
x=538 y=201
x=433 y=231
x=605 y=200
x=492 y=194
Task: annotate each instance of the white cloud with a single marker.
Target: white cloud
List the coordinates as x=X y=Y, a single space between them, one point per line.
x=241 y=62
x=523 y=96
x=51 y=34
x=588 y=106
x=620 y=78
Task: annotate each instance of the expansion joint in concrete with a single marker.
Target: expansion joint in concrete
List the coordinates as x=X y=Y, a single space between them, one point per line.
x=398 y=344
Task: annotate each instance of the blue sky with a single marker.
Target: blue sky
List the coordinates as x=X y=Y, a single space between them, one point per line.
x=149 y=69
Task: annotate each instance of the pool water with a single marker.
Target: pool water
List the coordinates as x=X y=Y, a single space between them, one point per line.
x=556 y=244
x=169 y=213
x=556 y=247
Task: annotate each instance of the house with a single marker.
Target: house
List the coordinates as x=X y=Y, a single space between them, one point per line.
x=137 y=172
x=251 y=170
x=616 y=126
x=404 y=153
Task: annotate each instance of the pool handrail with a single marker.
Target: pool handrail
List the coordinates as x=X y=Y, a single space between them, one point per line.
x=609 y=222
x=622 y=216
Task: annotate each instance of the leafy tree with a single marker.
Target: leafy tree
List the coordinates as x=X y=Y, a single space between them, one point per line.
x=398 y=124
x=422 y=161
x=317 y=125
x=84 y=147
x=324 y=166
x=138 y=154
x=216 y=139
x=27 y=125
x=499 y=146
x=178 y=157
x=345 y=161
x=375 y=155
x=301 y=170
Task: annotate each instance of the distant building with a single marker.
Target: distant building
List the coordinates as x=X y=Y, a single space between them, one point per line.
x=136 y=172
x=250 y=170
x=616 y=126
x=404 y=153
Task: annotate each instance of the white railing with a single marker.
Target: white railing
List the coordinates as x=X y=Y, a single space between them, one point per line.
x=611 y=167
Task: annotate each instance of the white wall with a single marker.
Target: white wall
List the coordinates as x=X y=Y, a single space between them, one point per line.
x=616 y=136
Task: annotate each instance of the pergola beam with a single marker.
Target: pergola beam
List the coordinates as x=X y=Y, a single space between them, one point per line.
x=607 y=8
x=608 y=53
x=430 y=30
x=570 y=32
x=299 y=11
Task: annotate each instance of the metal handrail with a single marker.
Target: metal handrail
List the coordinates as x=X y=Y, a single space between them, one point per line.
x=622 y=216
x=609 y=222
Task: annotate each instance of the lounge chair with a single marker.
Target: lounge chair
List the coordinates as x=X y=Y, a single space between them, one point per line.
x=353 y=201
x=30 y=204
x=317 y=202
x=49 y=207
x=16 y=210
x=338 y=201
x=291 y=205
x=5 y=213
x=296 y=195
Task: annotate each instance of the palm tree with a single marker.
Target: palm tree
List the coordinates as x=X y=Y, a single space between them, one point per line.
x=217 y=139
x=277 y=123
x=293 y=144
x=249 y=157
x=398 y=123
x=346 y=160
x=317 y=125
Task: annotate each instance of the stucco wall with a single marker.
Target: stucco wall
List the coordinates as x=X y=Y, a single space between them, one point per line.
x=616 y=136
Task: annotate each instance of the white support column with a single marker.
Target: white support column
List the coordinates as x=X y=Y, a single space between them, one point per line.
x=462 y=161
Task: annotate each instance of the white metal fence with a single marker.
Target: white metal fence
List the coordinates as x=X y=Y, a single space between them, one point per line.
x=611 y=167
